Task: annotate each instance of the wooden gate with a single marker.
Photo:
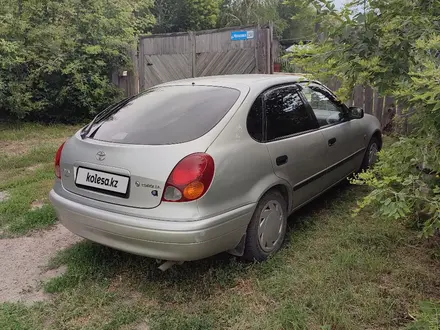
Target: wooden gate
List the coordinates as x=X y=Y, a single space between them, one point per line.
x=163 y=59
x=173 y=56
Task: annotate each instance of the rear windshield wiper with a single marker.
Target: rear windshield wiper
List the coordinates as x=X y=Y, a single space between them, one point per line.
x=104 y=115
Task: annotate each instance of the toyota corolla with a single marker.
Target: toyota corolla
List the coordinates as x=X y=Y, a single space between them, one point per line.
x=192 y=168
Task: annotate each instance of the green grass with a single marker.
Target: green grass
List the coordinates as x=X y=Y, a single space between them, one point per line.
x=26 y=174
x=335 y=271
x=29 y=131
x=428 y=316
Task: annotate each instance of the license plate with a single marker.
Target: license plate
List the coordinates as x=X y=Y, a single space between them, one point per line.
x=102 y=181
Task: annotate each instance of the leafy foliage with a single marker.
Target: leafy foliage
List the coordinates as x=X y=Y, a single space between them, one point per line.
x=56 y=56
x=199 y=15
x=300 y=18
x=185 y=15
x=401 y=189
x=291 y=19
x=393 y=45
x=247 y=12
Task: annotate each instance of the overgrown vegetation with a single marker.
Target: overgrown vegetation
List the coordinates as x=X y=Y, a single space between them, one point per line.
x=292 y=19
x=56 y=56
x=393 y=45
x=334 y=272
x=184 y=15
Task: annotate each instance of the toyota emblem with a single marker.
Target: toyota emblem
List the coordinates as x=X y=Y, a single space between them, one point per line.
x=100 y=155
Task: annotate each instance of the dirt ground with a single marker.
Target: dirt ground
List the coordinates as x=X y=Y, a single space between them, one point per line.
x=23 y=261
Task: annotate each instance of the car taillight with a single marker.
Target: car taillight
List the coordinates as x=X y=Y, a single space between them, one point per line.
x=190 y=179
x=58 y=160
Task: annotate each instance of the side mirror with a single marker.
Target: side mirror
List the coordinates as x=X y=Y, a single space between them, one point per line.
x=355 y=113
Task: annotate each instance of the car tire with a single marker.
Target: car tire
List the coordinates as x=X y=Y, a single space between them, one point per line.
x=267 y=228
x=370 y=157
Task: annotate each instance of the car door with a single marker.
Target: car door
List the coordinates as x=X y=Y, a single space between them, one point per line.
x=295 y=143
x=344 y=138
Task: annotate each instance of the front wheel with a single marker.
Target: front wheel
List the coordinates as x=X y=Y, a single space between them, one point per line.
x=267 y=228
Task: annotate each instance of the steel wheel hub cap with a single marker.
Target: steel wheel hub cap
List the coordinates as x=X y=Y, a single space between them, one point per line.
x=372 y=154
x=270 y=226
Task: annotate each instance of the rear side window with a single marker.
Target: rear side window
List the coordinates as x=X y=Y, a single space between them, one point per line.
x=286 y=114
x=167 y=115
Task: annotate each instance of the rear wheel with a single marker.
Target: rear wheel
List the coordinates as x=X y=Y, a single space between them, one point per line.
x=370 y=157
x=267 y=228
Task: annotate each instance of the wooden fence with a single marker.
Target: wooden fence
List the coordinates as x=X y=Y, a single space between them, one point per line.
x=238 y=50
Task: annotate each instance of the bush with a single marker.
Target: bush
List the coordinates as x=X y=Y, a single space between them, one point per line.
x=404 y=185
x=56 y=57
x=393 y=46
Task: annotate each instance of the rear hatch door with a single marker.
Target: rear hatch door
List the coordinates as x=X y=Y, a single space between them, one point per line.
x=127 y=154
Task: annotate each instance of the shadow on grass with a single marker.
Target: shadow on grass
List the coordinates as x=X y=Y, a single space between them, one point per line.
x=338 y=197
x=88 y=261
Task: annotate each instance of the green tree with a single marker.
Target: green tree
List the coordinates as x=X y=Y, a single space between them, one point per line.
x=185 y=15
x=393 y=45
x=165 y=12
x=249 y=12
x=300 y=20
x=56 y=57
x=198 y=15
x=291 y=19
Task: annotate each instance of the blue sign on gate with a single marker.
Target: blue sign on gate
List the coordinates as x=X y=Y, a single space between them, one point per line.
x=242 y=35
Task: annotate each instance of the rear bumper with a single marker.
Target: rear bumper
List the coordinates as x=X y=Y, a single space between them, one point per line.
x=167 y=240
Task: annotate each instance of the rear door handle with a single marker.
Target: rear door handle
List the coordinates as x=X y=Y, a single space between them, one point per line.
x=331 y=142
x=282 y=160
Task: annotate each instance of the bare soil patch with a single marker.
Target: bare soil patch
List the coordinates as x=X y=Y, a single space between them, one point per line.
x=38 y=204
x=34 y=168
x=4 y=196
x=22 y=263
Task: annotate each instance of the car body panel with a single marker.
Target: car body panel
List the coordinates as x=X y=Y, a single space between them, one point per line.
x=245 y=170
x=170 y=240
x=340 y=155
x=239 y=179
x=299 y=170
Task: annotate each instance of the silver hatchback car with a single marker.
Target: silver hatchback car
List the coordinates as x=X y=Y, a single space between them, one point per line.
x=192 y=168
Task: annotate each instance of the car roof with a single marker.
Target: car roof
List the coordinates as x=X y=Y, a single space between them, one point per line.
x=253 y=81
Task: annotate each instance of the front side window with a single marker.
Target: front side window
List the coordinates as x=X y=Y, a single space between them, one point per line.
x=286 y=114
x=327 y=111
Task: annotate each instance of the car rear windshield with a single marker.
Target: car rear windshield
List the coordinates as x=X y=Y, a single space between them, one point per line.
x=166 y=115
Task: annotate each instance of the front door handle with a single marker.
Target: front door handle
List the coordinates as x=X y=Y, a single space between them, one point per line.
x=332 y=142
x=282 y=160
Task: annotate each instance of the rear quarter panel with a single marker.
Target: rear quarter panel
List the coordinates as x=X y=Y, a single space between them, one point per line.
x=243 y=169
x=369 y=126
